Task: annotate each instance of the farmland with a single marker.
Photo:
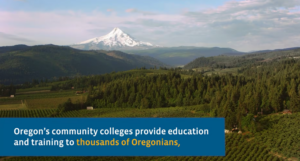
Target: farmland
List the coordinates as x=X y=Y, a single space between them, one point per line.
x=26 y=113
x=39 y=99
x=259 y=146
x=237 y=148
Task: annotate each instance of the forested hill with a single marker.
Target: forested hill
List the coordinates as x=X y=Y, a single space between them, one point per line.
x=13 y=48
x=226 y=61
x=271 y=88
x=23 y=63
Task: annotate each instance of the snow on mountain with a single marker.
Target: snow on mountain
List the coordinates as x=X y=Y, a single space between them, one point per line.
x=115 y=39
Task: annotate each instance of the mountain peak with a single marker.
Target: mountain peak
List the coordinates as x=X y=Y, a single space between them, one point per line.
x=116 y=30
x=114 y=40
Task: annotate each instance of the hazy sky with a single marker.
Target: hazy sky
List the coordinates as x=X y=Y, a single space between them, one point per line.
x=244 y=25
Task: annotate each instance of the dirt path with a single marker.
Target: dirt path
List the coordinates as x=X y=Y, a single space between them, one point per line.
x=280 y=156
x=250 y=139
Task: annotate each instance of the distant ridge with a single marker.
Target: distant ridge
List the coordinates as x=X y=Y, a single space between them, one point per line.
x=262 y=51
x=182 y=55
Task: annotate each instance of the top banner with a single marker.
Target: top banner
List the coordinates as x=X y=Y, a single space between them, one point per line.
x=112 y=137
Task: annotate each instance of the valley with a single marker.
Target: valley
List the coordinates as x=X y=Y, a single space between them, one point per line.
x=208 y=90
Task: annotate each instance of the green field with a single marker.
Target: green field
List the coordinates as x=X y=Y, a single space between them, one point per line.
x=43 y=103
x=13 y=106
x=35 y=89
x=9 y=101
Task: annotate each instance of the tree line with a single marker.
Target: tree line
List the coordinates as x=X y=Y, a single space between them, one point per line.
x=271 y=87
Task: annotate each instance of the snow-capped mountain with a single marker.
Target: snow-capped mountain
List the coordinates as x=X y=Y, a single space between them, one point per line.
x=116 y=39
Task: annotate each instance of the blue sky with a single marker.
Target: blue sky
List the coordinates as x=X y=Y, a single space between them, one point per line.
x=165 y=6
x=244 y=25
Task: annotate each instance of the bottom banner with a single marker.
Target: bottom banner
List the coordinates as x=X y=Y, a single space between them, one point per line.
x=112 y=137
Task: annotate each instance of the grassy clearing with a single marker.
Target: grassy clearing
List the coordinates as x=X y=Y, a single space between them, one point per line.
x=222 y=71
x=40 y=100
x=185 y=76
x=53 y=94
x=33 y=89
x=209 y=71
x=46 y=103
x=9 y=101
x=13 y=107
